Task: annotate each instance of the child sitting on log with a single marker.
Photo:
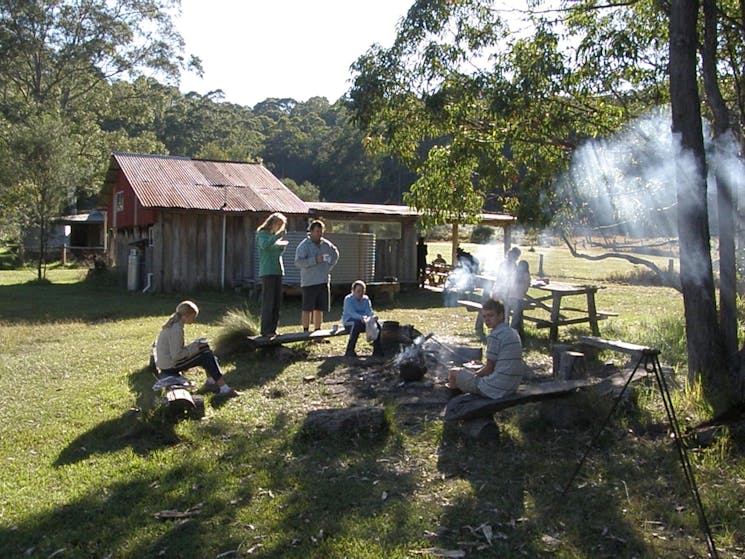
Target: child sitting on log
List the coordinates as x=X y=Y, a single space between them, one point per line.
x=172 y=356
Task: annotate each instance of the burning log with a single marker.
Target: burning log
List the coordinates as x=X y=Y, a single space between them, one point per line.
x=427 y=354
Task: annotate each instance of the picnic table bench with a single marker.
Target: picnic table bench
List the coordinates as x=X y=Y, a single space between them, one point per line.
x=556 y=294
x=435 y=275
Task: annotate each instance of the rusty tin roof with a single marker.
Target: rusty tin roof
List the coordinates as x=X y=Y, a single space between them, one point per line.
x=390 y=210
x=179 y=182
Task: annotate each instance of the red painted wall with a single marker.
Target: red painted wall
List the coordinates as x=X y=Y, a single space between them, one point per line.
x=133 y=213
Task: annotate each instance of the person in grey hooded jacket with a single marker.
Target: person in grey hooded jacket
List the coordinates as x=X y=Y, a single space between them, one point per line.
x=315 y=256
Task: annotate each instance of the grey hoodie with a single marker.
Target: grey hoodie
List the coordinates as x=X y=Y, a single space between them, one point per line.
x=311 y=272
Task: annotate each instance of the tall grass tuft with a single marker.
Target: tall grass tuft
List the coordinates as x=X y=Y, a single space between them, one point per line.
x=235 y=327
x=668 y=334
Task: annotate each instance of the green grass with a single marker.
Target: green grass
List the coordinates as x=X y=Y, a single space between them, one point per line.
x=88 y=460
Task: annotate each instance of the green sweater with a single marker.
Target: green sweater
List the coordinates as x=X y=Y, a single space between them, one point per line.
x=270 y=254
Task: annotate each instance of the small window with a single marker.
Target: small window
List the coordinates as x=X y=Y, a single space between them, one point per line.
x=150 y=236
x=119 y=201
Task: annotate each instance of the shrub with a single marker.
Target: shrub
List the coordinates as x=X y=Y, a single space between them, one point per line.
x=482 y=234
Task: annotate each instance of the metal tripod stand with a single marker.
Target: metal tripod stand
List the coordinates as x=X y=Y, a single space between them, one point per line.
x=649 y=359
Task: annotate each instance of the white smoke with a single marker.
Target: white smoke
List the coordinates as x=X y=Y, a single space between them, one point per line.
x=625 y=183
x=629 y=183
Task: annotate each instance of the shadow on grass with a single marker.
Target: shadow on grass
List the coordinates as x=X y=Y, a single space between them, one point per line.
x=512 y=481
x=94 y=300
x=143 y=428
x=121 y=519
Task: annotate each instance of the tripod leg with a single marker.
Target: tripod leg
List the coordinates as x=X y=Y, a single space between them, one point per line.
x=602 y=427
x=683 y=455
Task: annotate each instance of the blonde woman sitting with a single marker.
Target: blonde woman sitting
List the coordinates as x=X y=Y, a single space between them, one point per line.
x=172 y=356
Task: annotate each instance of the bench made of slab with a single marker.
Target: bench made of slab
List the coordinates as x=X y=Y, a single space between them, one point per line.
x=616 y=345
x=261 y=341
x=470 y=406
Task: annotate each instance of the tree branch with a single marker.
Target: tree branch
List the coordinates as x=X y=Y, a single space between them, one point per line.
x=666 y=278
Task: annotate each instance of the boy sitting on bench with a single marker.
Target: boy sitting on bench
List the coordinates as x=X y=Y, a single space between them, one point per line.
x=504 y=366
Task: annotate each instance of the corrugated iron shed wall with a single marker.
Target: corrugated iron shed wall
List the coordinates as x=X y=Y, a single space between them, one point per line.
x=356 y=258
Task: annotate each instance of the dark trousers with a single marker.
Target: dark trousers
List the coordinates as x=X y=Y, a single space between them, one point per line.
x=271 y=300
x=205 y=359
x=355 y=328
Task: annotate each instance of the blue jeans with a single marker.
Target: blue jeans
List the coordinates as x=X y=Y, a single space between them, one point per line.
x=355 y=327
x=205 y=359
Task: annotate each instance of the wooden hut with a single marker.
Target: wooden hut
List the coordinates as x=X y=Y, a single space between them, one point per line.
x=178 y=224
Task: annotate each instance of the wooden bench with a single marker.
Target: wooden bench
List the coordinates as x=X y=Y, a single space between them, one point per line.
x=595 y=344
x=261 y=341
x=476 y=413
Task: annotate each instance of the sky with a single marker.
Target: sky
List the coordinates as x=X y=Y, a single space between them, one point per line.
x=256 y=49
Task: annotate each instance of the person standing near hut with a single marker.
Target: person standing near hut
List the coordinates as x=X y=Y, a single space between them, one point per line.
x=172 y=356
x=315 y=256
x=520 y=286
x=271 y=243
x=421 y=261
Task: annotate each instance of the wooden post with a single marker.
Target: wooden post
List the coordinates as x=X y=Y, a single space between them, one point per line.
x=592 y=312
x=555 y=316
x=454 y=246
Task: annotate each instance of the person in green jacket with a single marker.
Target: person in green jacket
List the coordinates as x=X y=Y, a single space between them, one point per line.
x=271 y=243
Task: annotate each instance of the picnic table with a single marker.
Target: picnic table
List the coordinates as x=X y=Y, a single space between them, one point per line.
x=554 y=304
x=557 y=292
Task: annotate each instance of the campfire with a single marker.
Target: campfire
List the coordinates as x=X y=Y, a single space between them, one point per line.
x=428 y=354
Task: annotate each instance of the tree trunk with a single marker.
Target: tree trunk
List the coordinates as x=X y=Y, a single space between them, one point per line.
x=726 y=202
x=705 y=351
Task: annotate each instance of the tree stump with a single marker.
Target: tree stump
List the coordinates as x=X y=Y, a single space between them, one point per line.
x=572 y=366
x=557 y=350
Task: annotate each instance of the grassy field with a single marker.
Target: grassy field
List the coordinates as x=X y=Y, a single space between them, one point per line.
x=88 y=463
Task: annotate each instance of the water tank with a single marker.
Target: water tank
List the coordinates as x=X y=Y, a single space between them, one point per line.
x=356 y=258
x=133 y=270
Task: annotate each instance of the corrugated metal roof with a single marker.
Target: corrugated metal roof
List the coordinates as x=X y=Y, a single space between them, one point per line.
x=179 y=182
x=94 y=217
x=377 y=209
x=394 y=210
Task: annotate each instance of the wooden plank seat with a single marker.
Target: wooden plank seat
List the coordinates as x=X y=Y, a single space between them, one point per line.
x=616 y=345
x=261 y=341
x=587 y=344
x=466 y=407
